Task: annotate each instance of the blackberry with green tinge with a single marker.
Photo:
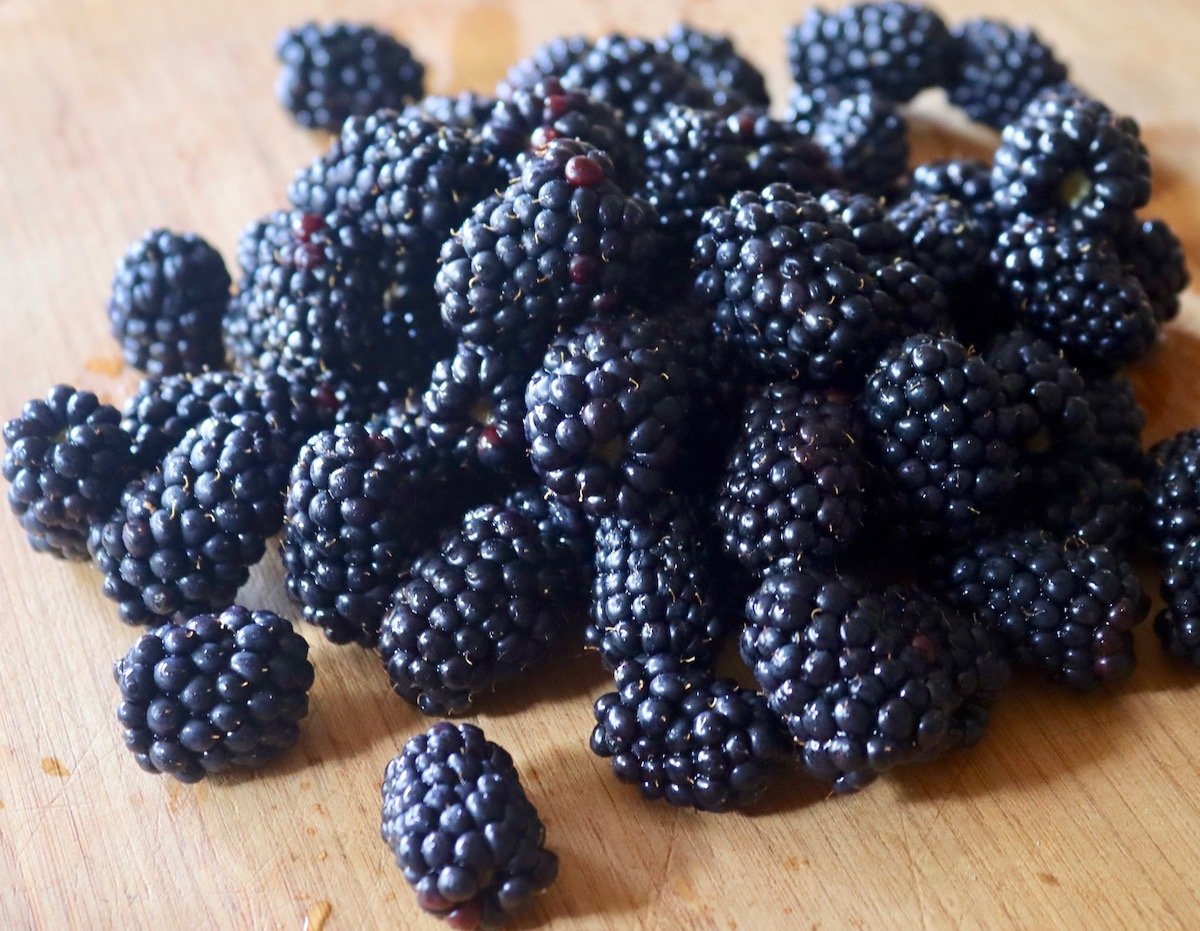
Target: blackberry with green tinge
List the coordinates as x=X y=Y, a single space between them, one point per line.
x=1178 y=624
x=340 y=70
x=1173 y=492
x=943 y=237
x=796 y=482
x=1093 y=501
x=183 y=540
x=1154 y=255
x=550 y=60
x=864 y=134
x=865 y=681
x=1062 y=609
x=1120 y=420
x=462 y=829
x=685 y=736
x=213 y=692
x=714 y=60
x=169 y=295
x=66 y=460
x=889 y=48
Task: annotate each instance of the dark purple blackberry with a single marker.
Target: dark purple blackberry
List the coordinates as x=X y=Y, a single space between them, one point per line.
x=169 y=295
x=183 y=541
x=551 y=60
x=327 y=183
x=1173 y=492
x=920 y=299
x=252 y=307
x=789 y=287
x=1069 y=158
x=560 y=242
x=341 y=70
x=867 y=681
x=874 y=232
x=1062 y=609
x=569 y=535
x=481 y=607
x=893 y=49
x=967 y=181
x=683 y=735
x=1094 y=502
x=461 y=828
x=1002 y=68
x=1070 y=287
x=863 y=134
x=464 y=110
x=943 y=237
x=607 y=415
x=1154 y=255
x=215 y=691
x=66 y=459
x=714 y=60
x=1178 y=624
x=796 y=483
x=1120 y=420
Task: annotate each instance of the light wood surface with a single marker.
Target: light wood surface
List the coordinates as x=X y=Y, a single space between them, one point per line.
x=121 y=115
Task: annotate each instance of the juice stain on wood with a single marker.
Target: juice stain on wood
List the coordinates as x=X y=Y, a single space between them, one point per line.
x=52 y=767
x=317 y=915
x=485 y=34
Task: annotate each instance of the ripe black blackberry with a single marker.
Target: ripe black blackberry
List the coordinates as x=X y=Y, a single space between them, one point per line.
x=169 y=295
x=1002 y=68
x=892 y=49
x=1154 y=255
x=1173 y=492
x=560 y=242
x=943 y=237
x=920 y=299
x=1069 y=158
x=252 y=306
x=966 y=180
x=183 y=541
x=714 y=60
x=796 y=482
x=1178 y=624
x=865 y=681
x=1062 y=609
x=789 y=287
x=874 y=232
x=341 y=70
x=215 y=691
x=607 y=414
x=550 y=60
x=464 y=110
x=686 y=736
x=1120 y=420
x=461 y=828
x=569 y=535
x=66 y=459
x=1093 y=501
x=327 y=183
x=481 y=607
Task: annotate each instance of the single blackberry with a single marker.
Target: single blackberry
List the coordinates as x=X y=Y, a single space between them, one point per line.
x=464 y=110
x=1002 y=69
x=252 y=306
x=865 y=681
x=1094 y=502
x=560 y=242
x=1154 y=255
x=1178 y=624
x=327 y=184
x=1069 y=158
x=863 y=134
x=215 y=691
x=569 y=535
x=607 y=414
x=921 y=302
x=875 y=233
x=787 y=284
x=183 y=541
x=683 y=735
x=481 y=607
x=1063 y=609
x=342 y=70
x=892 y=49
x=943 y=237
x=66 y=459
x=1173 y=492
x=461 y=828
x=796 y=482
x=551 y=60
x=1070 y=287
x=714 y=60
x=168 y=297
x=967 y=181
x=1120 y=420
x=654 y=592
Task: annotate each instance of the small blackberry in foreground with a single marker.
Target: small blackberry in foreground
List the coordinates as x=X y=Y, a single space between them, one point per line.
x=1178 y=624
x=942 y=237
x=714 y=60
x=464 y=833
x=1154 y=255
x=1120 y=420
x=66 y=459
x=1173 y=492
x=168 y=298
x=864 y=135
x=216 y=691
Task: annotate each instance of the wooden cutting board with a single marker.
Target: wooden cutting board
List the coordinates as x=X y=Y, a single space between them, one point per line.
x=120 y=115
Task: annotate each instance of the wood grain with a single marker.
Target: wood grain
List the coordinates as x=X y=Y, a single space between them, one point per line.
x=1074 y=812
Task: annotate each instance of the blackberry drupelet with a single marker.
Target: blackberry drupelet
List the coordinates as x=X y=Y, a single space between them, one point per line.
x=169 y=295
x=1095 y=502
x=796 y=482
x=943 y=237
x=66 y=459
x=1120 y=420
x=215 y=691
x=1173 y=492
x=1154 y=255
x=340 y=70
x=462 y=829
x=686 y=736
x=1178 y=624
x=714 y=60
x=550 y=60
x=1062 y=609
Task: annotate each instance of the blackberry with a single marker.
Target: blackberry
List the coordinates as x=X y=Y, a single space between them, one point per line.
x=1120 y=420
x=921 y=302
x=863 y=134
x=714 y=60
x=1062 y=609
x=327 y=184
x=1069 y=158
x=481 y=607
x=607 y=415
x=967 y=181
x=875 y=233
x=686 y=736
x=1173 y=492
x=865 y=681
x=183 y=540
x=341 y=70
x=551 y=60
x=464 y=110
x=1154 y=255
x=570 y=536
x=943 y=237
x=1094 y=502
x=215 y=691
x=1002 y=69
x=1178 y=624
x=789 y=287
x=168 y=297
x=561 y=241
x=796 y=483
x=464 y=833
x=888 y=48
x=66 y=459
x=252 y=307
